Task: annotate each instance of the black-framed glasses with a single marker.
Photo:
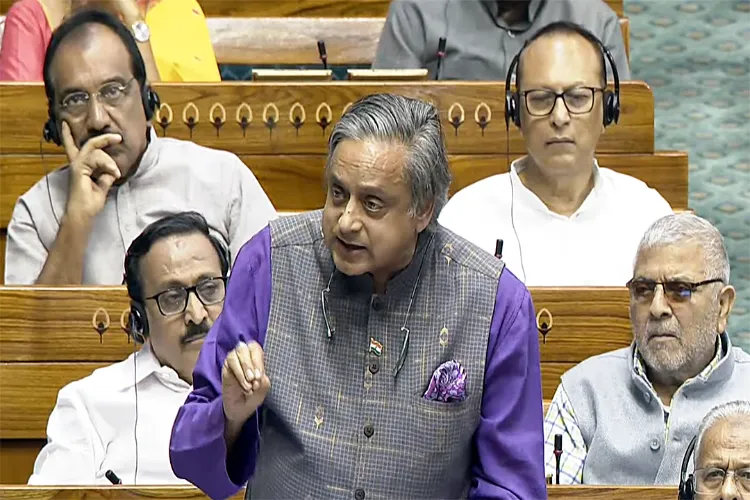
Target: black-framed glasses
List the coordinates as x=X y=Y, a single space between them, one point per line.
x=174 y=300
x=711 y=479
x=578 y=100
x=111 y=95
x=674 y=290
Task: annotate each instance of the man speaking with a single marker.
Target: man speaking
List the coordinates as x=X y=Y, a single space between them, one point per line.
x=364 y=351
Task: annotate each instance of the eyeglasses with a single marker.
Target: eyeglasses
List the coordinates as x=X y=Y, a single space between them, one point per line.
x=111 y=95
x=174 y=300
x=711 y=479
x=578 y=101
x=674 y=290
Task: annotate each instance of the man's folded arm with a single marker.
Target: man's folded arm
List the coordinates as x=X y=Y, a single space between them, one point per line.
x=198 y=450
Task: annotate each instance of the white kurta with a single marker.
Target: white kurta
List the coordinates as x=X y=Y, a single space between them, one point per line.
x=595 y=246
x=173 y=176
x=92 y=428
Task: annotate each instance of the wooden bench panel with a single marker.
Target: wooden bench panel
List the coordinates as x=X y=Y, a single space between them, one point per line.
x=295 y=182
x=29 y=394
x=300 y=8
x=105 y=493
x=17 y=458
x=293 y=41
x=23 y=112
x=55 y=324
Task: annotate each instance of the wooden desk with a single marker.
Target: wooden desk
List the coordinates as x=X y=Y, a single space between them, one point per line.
x=300 y=8
x=185 y=493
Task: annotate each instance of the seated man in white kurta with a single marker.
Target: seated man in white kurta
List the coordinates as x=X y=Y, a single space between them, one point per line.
x=120 y=417
x=564 y=221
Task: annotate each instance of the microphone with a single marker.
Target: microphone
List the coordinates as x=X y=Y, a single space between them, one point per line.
x=440 y=56
x=322 y=53
x=112 y=477
x=499 y=249
x=558 y=453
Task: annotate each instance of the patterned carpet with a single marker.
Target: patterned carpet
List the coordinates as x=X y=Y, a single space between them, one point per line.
x=696 y=57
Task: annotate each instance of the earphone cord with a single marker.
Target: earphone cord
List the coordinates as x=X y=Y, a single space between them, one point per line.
x=512 y=198
x=46 y=180
x=135 y=424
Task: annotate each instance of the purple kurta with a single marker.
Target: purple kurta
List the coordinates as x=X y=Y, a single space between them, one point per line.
x=509 y=459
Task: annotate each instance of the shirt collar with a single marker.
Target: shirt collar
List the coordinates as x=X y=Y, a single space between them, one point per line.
x=151 y=156
x=147 y=365
x=530 y=198
x=535 y=7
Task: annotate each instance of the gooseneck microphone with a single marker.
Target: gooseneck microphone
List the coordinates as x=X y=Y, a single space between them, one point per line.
x=322 y=53
x=440 y=55
x=112 y=477
x=558 y=454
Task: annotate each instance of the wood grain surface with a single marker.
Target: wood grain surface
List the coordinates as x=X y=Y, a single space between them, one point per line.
x=190 y=111
x=105 y=493
x=55 y=324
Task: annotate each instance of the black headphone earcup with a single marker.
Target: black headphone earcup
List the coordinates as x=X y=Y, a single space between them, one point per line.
x=611 y=108
x=511 y=109
x=151 y=101
x=687 y=489
x=138 y=323
x=516 y=111
x=49 y=132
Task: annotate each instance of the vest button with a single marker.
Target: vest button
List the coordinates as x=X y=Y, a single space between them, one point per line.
x=369 y=431
x=654 y=444
x=374 y=367
x=647 y=397
x=359 y=494
x=378 y=304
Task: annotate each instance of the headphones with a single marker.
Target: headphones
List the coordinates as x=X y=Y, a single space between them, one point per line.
x=151 y=103
x=611 y=99
x=138 y=321
x=687 y=485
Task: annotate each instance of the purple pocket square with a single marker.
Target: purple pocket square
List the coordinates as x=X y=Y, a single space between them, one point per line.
x=448 y=383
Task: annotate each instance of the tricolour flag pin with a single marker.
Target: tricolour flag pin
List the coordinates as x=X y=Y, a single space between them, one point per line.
x=376 y=347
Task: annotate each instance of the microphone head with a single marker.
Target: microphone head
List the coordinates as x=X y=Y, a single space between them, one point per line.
x=558 y=442
x=112 y=477
x=322 y=49
x=441 y=45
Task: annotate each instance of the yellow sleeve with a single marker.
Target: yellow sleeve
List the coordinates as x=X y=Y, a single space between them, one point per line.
x=181 y=42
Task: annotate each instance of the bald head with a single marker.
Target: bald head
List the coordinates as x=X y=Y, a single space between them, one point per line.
x=561 y=51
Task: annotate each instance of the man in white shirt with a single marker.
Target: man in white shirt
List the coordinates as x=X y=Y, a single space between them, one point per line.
x=563 y=220
x=120 y=417
x=73 y=226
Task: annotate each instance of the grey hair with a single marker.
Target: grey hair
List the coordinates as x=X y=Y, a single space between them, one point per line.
x=688 y=228
x=739 y=408
x=413 y=123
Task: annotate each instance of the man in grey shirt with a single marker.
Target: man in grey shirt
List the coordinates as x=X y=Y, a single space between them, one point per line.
x=482 y=36
x=74 y=226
